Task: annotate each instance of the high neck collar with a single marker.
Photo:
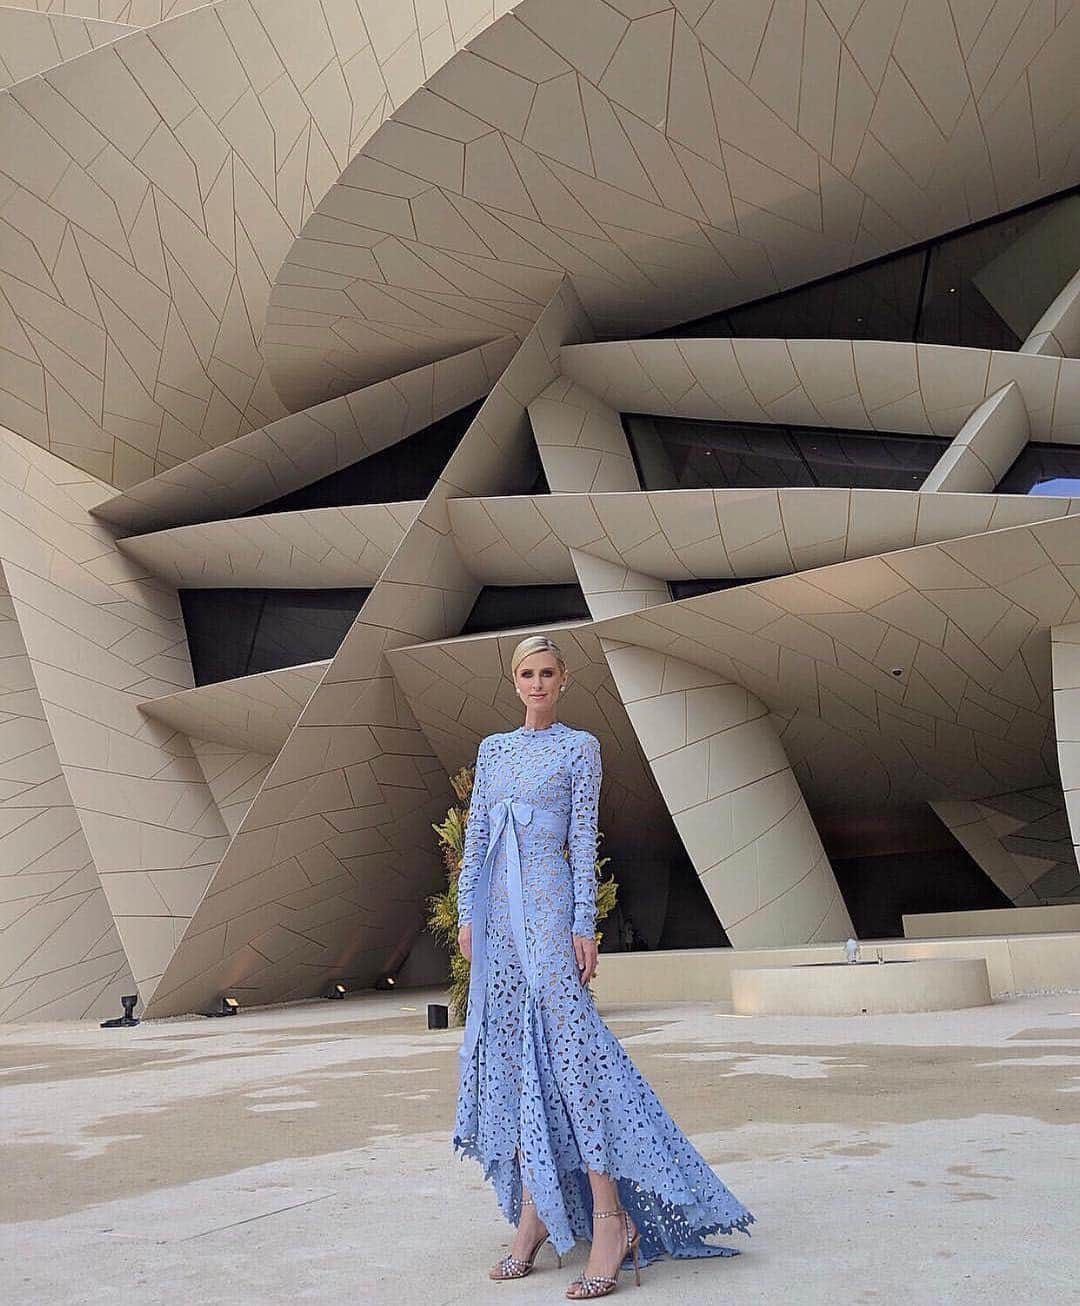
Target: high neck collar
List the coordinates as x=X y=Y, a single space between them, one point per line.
x=539 y=730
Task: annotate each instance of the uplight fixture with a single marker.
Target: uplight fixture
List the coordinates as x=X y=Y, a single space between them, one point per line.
x=128 y=1018
x=229 y=1006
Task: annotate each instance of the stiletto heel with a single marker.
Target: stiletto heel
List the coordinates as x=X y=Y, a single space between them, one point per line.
x=592 y=1286
x=512 y=1267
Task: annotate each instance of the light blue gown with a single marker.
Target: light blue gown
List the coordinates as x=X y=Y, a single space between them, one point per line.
x=547 y=1092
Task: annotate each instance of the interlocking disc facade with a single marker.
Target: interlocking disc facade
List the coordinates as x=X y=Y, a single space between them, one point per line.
x=341 y=343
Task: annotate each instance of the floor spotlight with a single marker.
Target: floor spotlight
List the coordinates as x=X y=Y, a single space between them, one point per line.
x=128 y=1018
x=229 y=1006
x=336 y=990
x=438 y=1016
x=385 y=983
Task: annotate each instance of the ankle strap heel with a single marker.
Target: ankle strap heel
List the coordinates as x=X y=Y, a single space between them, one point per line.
x=589 y=1286
x=513 y=1267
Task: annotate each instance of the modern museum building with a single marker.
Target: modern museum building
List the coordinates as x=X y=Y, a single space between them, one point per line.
x=735 y=344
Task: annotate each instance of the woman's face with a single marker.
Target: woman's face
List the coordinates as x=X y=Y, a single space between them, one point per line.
x=538 y=680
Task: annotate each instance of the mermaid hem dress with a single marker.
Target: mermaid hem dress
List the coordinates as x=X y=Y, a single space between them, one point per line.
x=547 y=1092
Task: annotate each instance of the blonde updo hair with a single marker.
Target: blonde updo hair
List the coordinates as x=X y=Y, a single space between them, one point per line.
x=536 y=644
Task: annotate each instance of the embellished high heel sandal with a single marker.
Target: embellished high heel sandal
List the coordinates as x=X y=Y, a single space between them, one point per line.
x=512 y=1267
x=590 y=1286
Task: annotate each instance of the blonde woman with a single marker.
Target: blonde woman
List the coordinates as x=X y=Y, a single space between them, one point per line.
x=574 y=1139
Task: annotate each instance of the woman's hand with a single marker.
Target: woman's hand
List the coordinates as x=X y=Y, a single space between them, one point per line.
x=585 y=952
x=464 y=942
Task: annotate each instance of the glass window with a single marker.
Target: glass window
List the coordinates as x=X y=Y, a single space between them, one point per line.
x=879 y=890
x=877 y=302
x=300 y=626
x=868 y=459
x=505 y=607
x=661 y=903
x=1052 y=469
x=984 y=287
x=693 y=589
x=238 y=632
x=674 y=453
x=988 y=286
x=221 y=626
x=406 y=470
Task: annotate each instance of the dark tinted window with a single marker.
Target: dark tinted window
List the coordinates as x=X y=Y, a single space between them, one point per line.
x=504 y=607
x=1044 y=469
x=693 y=589
x=878 y=891
x=877 y=302
x=661 y=904
x=540 y=484
x=238 y=632
x=674 y=453
x=984 y=287
x=406 y=470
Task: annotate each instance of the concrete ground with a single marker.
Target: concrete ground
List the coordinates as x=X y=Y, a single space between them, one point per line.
x=300 y=1155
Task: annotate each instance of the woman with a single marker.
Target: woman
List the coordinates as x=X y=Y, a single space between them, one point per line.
x=575 y=1140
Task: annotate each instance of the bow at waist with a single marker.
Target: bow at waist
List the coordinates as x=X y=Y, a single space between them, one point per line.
x=512 y=811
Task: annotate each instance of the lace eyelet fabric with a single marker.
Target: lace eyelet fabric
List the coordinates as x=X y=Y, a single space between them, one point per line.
x=547 y=1092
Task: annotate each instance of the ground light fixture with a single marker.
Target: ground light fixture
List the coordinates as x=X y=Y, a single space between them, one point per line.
x=229 y=1006
x=128 y=1018
x=438 y=1016
x=336 y=990
x=385 y=984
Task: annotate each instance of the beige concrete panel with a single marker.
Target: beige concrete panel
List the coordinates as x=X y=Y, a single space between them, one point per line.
x=101 y=637
x=1020 y=964
x=178 y=164
x=304 y=447
x=60 y=954
x=671 y=535
x=1057 y=332
x=316 y=548
x=581 y=441
x=31 y=42
x=347 y=806
x=837 y=989
x=668 y=175
x=251 y=713
x=135 y=13
x=1001 y=920
x=921 y=676
x=461 y=690
x=610 y=589
x=235 y=776
x=1025 y=964
x=1065 y=661
x=985 y=447
x=669 y=976
x=974 y=827
x=509 y=541
x=1046 y=964
x=736 y=804
x=864 y=384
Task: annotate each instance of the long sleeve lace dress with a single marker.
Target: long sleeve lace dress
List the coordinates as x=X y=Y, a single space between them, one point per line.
x=547 y=1092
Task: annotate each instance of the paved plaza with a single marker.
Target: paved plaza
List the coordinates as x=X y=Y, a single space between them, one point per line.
x=300 y=1154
